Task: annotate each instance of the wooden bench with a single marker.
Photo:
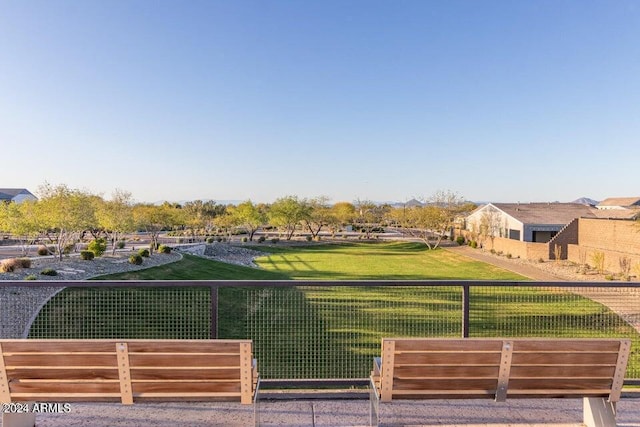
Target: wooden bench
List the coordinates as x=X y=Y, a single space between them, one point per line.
x=125 y=371
x=426 y=368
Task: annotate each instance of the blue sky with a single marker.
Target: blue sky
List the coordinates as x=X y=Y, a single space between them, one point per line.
x=380 y=100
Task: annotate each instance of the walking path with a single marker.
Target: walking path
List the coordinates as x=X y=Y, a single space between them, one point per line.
x=623 y=301
x=526 y=270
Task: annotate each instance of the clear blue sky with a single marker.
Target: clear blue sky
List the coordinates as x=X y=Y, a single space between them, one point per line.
x=380 y=100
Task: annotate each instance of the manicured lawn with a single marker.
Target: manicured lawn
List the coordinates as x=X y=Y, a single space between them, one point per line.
x=377 y=261
x=318 y=332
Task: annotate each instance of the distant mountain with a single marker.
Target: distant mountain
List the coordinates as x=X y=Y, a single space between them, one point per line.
x=219 y=202
x=408 y=204
x=586 y=201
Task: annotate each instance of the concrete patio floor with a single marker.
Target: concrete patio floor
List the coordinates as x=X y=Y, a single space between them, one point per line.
x=335 y=412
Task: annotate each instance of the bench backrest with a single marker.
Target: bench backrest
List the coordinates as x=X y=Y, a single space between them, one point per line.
x=126 y=370
x=500 y=368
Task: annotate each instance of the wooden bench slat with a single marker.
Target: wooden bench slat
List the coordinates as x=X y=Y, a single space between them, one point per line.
x=188 y=387
x=569 y=345
x=554 y=371
x=426 y=371
x=71 y=373
x=179 y=373
x=447 y=358
x=564 y=358
x=65 y=387
x=68 y=360
x=46 y=346
x=193 y=346
x=153 y=360
x=446 y=384
x=559 y=383
x=448 y=345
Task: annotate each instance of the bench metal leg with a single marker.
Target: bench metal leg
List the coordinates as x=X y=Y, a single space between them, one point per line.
x=598 y=412
x=19 y=420
x=256 y=406
x=374 y=407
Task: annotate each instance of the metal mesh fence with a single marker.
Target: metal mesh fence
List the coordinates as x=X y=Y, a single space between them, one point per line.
x=324 y=332
x=333 y=332
x=99 y=312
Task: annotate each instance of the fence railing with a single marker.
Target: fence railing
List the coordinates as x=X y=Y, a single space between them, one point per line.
x=320 y=329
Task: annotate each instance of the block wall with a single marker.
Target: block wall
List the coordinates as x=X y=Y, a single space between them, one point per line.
x=616 y=239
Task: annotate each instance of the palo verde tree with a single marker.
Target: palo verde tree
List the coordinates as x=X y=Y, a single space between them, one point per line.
x=490 y=223
x=319 y=215
x=369 y=215
x=156 y=218
x=342 y=214
x=64 y=214
x=435 y=219
x=248 y=216
x=286 y=213
x=22 y=222
x=199 y=216
x=115 y=216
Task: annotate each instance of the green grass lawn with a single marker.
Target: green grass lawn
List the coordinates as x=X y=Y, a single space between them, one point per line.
x=375 y=261
x=329 y=330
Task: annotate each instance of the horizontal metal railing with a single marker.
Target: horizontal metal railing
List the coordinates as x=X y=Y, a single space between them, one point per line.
x=325 y=331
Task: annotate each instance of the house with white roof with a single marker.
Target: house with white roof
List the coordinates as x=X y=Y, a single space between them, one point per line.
x=16 y=195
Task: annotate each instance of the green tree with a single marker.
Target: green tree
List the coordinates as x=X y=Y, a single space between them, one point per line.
x=65 y=213
x=319 y=215
x=156 y=218
x=286 y=213
x=22 y=221
x=115 y=216
x=369 y=215
x=199 y=216
x=435 y=220
x=342 y=214
x=249 y=216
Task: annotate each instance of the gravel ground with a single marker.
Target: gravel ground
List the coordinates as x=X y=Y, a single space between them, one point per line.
x=21 y=303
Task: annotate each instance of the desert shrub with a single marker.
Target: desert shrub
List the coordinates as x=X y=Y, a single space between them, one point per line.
x=460 y=240
x=261 y=239
x=43 y=250
x=87 y=255
x=144 y=253
x=209 y=239
x=31 y=277
x=8 y=265
x=164 y=249
x=135 y=259
x=49 y=272
x=540 y=260
x=598 y=261
x=473 y=244
x=120 y=244
x=98 y=246
x=218 y=239
x=275 y=240
x=318 y=238
x=24 y=262
x=509 y=255
x=609 y=277
x=493 y=251
x=69 y=248
x=309 y=238
x=625 y=268
x=245 y=239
